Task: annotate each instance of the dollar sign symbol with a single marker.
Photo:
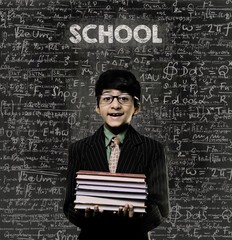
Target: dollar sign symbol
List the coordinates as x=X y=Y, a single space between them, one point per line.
x=170 y=70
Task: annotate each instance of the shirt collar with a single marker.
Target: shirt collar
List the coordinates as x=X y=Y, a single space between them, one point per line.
x=109 y=135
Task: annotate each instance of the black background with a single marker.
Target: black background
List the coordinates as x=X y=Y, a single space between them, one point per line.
x=47 y=101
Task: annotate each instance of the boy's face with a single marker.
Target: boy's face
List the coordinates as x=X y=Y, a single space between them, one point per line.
x=116 y=114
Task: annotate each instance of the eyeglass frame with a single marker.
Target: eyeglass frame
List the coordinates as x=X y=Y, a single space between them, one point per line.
x=117 y=97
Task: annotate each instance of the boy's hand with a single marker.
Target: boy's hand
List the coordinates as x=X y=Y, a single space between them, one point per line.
x=126 y=211
x=92 y=213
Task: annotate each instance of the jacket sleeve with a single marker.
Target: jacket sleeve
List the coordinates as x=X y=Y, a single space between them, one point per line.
x=158 y=190
x=77 y=218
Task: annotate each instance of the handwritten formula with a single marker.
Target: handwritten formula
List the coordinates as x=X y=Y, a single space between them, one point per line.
x=52 y=53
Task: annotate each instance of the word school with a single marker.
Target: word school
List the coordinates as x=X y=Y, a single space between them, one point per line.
x=107 y=34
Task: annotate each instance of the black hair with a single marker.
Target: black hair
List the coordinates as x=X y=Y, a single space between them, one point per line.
x=122 y=80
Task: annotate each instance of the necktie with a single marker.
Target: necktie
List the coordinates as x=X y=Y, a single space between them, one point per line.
x=114 y=156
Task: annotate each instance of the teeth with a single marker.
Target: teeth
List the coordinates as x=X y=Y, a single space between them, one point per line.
x=115 y=114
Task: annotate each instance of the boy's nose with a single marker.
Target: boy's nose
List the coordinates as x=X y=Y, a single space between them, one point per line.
x=116 y=103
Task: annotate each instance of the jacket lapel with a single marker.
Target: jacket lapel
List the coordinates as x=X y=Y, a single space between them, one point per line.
x=96 y=154
x=131 y=154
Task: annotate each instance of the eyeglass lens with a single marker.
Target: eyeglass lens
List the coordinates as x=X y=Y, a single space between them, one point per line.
x=123 y=99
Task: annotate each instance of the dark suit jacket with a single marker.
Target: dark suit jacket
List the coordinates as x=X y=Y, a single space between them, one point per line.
x=139 y=154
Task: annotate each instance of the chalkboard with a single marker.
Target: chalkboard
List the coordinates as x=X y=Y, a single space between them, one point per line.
x=53 y=51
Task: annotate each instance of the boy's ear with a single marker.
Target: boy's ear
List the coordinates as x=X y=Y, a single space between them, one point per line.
x=97 y=109
x=137 y=110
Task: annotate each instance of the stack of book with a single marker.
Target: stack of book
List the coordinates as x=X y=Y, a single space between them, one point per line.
x=110 y=190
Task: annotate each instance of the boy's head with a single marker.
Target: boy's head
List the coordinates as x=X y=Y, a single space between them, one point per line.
x=122 y=80
x=118 y=94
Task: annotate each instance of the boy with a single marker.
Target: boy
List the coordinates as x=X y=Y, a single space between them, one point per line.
x=118 y=94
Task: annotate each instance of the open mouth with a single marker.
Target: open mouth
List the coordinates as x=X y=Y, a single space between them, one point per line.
x=115 y=114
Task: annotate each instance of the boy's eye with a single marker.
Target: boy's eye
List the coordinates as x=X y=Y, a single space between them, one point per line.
x=106 y=98
x=123 y=99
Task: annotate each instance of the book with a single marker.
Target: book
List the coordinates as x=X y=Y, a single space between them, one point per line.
x=106 y=207
x=107 y=176
x=111 y=183
x=108 y=201
x=97 y=173
x=111 y=188
x=111 y=194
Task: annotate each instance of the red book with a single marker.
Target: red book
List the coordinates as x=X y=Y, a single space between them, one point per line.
x=122 y=177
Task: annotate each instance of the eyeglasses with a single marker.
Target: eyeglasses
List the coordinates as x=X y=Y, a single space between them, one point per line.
x=124 y=99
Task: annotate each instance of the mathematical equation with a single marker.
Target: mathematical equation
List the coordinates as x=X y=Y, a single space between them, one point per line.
x=52 y=53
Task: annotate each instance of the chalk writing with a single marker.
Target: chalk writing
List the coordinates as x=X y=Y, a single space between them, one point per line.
x=52 y=53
